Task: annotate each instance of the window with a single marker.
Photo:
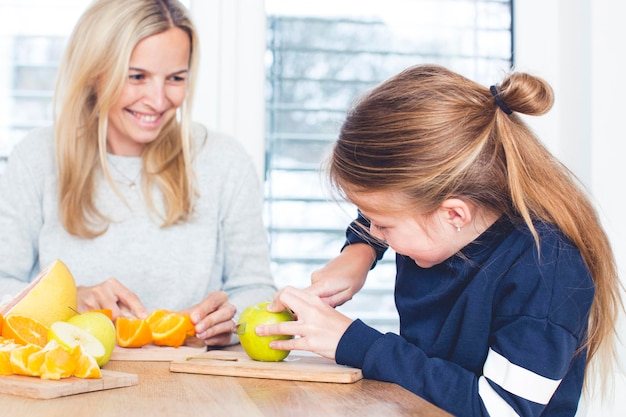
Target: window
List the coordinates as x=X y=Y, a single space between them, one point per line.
x=320 y=56
x=30 y=47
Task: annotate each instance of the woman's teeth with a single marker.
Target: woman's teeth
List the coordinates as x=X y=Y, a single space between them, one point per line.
x=145 y=117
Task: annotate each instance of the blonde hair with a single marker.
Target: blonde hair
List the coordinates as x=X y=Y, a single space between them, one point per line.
x=91 y=77
x=430 y=134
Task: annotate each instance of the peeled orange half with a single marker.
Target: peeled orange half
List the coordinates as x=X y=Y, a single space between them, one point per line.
x=25 y=330
x=19 y=359
x=132 y=333
x=50 y=297
x=169 y=328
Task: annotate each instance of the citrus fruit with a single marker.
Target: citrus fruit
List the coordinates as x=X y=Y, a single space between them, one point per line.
x=131 y=332
x=169 y=328
x=257 y=347
x=19 y=359
x=25 y=330
x=106 y=311
x=87 y=367
x=5 y=363
x=59 y=362
x=35 y=361
x=6 y=346
x=50 y=297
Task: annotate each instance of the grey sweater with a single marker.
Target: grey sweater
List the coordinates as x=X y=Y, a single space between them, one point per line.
x=224 y=246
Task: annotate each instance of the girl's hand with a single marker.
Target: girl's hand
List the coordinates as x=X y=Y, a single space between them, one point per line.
x=343 y=276
x=213 y=319
x=318 y=325
x=113 y=295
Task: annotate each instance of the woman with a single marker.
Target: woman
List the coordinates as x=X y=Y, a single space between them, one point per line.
x=148 y=210
x=506 y=285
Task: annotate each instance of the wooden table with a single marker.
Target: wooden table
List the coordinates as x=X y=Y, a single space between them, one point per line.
x=164 y=393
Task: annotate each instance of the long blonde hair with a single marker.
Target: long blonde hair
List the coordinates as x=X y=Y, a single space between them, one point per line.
x=92 y=74
x=431 y=134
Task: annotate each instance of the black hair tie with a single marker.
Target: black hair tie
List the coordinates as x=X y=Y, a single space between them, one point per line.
x=499 y=101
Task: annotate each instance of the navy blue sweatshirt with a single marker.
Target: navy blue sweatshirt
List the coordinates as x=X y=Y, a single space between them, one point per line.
x=495 y=330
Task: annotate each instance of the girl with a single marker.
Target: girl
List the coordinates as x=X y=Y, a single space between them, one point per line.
x=506 y=285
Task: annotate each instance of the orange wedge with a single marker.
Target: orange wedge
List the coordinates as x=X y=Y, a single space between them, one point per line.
x=87 y=367
x=25 y=330
x=6 y=346
x=19 y=359
x=35 y=362
x=59 y=362
x=169 y=328
x=5 y=363
x=131 y=332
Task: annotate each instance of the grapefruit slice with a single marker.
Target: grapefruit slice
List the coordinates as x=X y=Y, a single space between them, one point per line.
x=50 y=297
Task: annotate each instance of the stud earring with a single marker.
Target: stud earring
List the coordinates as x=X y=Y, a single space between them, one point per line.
x=458 y=228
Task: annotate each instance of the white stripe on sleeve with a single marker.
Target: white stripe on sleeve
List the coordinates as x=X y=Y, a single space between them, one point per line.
x=517 y=380
x=495 y=405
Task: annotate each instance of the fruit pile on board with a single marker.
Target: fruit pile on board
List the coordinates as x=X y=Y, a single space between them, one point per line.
x=37 y=334
x=43 y=335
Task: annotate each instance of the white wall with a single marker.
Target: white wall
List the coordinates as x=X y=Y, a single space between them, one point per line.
x=230 y=96
x=576 y=45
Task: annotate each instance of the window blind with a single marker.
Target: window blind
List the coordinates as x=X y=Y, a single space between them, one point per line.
x=317 y=64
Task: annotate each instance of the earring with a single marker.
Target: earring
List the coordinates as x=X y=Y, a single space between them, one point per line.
x=458 y=228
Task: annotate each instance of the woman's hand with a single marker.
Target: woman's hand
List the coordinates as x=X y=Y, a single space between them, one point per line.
x=318 y=325
x=213 y=319
x=343 y=276
x=113 y=295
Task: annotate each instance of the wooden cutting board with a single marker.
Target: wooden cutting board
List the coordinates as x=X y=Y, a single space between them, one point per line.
x=155 y=353
x=33 y=387
x=294 y=367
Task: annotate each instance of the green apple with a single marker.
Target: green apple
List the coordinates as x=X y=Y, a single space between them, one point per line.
x=257 y=347
x=100 y=326
x=69 y=336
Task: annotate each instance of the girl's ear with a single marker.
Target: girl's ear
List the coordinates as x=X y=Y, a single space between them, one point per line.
x=456 y=212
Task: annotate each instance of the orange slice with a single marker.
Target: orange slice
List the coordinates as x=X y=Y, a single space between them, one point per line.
x=59 y=362
x=169 y=328
x=35 y=361
x=5 y=362
x=130 y=332
x=25 y=330
x=87 y=367
x=19 y=359
x=6 y=346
